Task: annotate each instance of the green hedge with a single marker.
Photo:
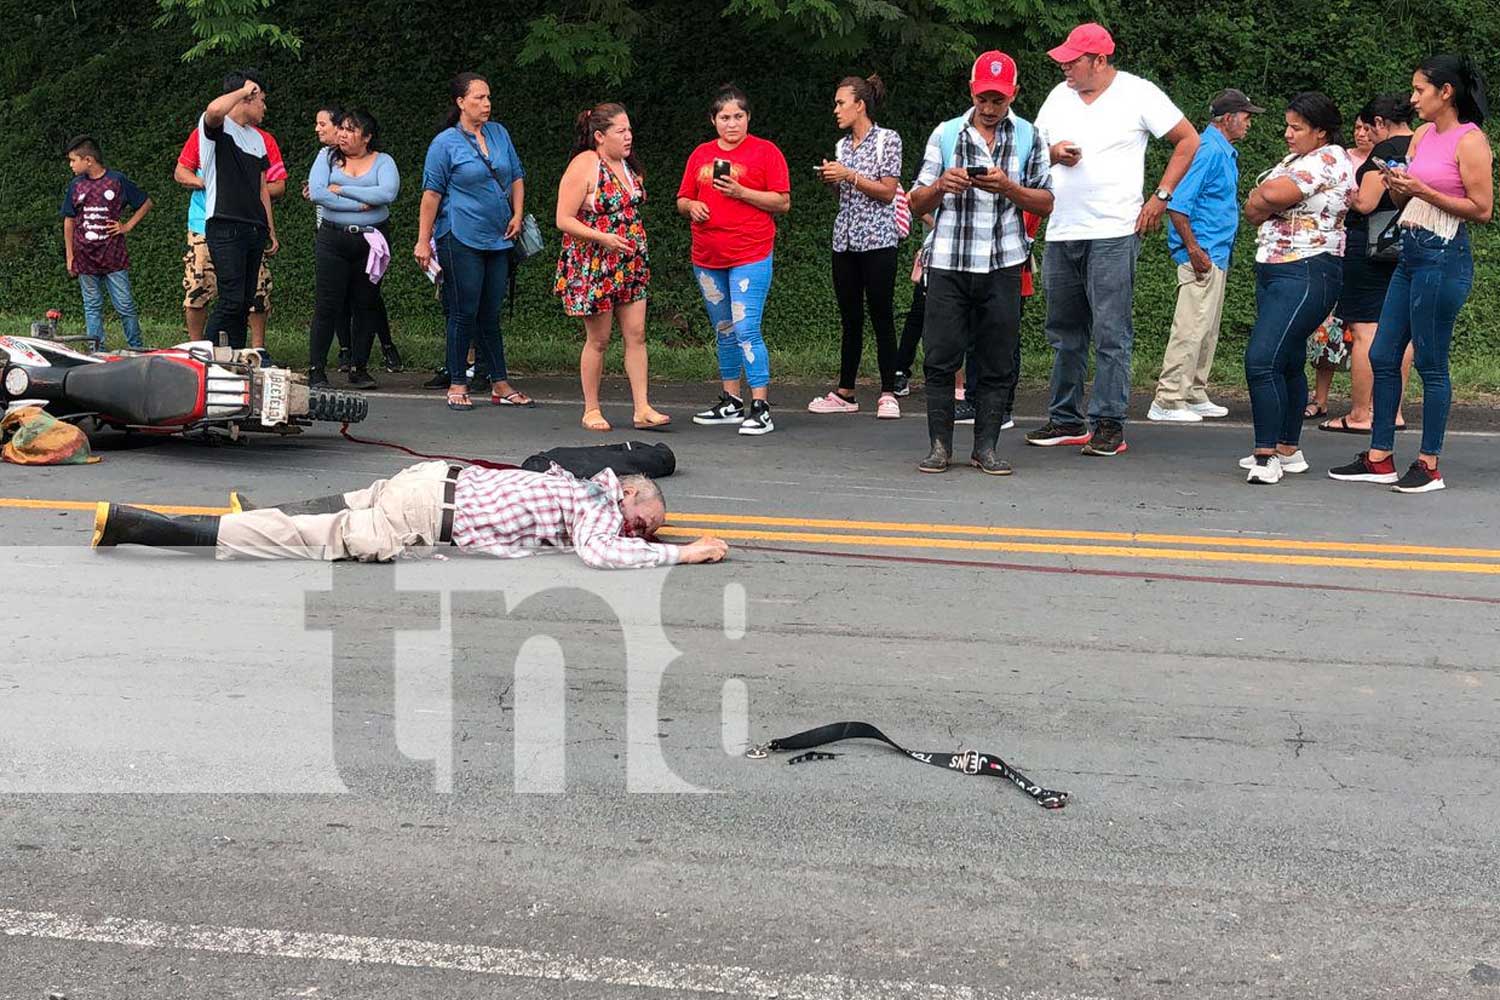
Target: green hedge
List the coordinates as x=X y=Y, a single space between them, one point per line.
x=100 y=68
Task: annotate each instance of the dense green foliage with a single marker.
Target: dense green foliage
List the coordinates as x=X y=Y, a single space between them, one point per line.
x=104 y=70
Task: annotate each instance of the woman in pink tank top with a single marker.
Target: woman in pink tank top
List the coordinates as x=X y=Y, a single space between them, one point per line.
x=1448 y=185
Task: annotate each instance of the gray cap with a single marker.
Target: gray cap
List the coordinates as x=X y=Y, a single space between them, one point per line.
x=1229 y=101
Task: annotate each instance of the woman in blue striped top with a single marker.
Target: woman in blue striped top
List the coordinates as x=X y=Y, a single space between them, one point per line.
x=354 y=188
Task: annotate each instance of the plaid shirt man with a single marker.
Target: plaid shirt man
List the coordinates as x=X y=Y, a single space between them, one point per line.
x=979 y=232
x=513 y=513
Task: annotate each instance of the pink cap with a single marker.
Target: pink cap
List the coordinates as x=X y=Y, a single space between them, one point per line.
x=993 y=72
x=1085 y=40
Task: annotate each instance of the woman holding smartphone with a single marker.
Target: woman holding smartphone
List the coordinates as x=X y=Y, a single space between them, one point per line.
x=732 y=189
x=865 y=175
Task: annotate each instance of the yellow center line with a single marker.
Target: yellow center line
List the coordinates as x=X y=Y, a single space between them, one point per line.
x=1125 y=552
x=1213 y=541
x=91 y=504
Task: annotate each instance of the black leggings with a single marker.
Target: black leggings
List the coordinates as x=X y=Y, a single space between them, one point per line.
x=859 y=278
x=911 y=333
x=340 y=283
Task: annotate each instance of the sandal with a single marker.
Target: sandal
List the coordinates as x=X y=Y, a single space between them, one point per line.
x=650 y=420
x=458 y=399
x=593 y=420
x=513 y=398
x=1313 y=410
x=1341 y=426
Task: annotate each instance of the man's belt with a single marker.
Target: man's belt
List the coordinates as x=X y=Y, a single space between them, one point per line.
x=964 y=761
x=450 y=488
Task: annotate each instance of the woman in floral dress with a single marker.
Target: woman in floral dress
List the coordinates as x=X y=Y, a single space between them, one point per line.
x=603 y=271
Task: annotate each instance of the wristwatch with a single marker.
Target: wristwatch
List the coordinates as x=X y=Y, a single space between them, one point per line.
x=1164 y=194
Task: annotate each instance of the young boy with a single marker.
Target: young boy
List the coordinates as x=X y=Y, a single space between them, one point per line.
x=94 y=237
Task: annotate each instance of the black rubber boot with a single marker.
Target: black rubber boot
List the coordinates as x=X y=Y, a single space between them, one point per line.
x=940 y=405
x=989 y=414
x=116 y=524
x=318 y=505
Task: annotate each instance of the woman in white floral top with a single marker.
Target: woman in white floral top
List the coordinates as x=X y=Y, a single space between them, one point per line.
x=864 y=173
x=1299 y=206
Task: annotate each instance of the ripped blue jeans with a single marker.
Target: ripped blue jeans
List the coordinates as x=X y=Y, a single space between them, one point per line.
x=735 y=298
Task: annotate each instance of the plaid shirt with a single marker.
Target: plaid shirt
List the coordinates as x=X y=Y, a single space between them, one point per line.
x=979 y=232
x=513 y=513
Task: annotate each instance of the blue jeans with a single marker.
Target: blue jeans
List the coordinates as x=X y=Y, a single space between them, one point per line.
x=1431 y=282
x=1090 y=287
x=735 y=298
x=117 y=284
x=474 y=285
x=1290 y=301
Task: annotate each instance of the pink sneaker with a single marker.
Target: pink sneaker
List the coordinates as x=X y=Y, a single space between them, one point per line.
x=832 y=403
x=887 y=408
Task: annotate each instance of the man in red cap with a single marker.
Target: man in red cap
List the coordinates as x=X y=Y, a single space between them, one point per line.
x=980 y=171
x=1097 y=123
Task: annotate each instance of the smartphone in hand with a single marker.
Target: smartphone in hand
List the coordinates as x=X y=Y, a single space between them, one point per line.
x=721 y=169
x=976 y=171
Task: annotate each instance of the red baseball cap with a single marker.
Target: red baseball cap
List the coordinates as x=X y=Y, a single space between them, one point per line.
x=993 y=71
x=1085 y=40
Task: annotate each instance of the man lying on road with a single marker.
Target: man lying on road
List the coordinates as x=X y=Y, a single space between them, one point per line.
x=507 y=513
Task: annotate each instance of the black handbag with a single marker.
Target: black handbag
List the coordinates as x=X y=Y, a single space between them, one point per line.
x=1383 y=236
x=630 y=458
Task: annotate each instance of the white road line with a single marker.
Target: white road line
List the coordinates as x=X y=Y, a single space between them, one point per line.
x=485 y=960
x=436 y=396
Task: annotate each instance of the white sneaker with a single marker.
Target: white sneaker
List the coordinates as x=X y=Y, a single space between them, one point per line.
x=1293 y=464
x=1209 y=409
x=1264 y=469
x=1180 y=415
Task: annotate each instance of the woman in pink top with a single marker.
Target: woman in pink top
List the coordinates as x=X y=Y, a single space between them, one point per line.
x=1449 y=184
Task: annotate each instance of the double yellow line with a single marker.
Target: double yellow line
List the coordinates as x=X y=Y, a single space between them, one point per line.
x=973 y=538
x=1074 y=542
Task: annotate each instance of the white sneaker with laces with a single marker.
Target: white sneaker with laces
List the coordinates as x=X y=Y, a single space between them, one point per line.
x=1264 y=470
x=1293 y=464
x=1176 y=415
x=1209 y=409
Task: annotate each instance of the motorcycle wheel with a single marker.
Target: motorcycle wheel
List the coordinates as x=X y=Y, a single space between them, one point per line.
x=337 y=406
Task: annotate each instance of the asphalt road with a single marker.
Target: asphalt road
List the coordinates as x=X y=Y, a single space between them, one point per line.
x=1274 y=708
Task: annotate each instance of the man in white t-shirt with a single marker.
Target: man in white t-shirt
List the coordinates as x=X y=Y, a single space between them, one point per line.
x=1097 y=123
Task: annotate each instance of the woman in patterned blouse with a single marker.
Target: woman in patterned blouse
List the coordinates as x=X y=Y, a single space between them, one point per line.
x=1299 y=206
x=865 y=173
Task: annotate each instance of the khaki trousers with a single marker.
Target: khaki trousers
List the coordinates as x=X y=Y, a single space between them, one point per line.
x=402 y=515
x=1195 y=335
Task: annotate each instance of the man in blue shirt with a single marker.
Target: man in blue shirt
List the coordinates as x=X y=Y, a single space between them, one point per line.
x=1204 y=214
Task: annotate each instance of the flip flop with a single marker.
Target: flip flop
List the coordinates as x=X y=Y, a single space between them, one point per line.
x=516 y=398
x=593 y=420
x=1317 y=411
x=460 y=401
x=1341 y=426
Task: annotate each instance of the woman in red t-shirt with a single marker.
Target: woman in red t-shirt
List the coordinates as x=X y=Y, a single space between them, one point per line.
x=731 y=189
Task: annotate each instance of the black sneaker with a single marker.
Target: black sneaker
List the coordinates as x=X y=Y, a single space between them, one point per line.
x=317 y=378
x=1419 y=479
x=1007 y=422
x=344 y=359
x=392 y=359
x=901 y=384
x=1362 y=470
x=439 y=380
x=1050 y=435
x=359 y=378
x=1108 y=439
x=963 y=412
x=728 y=410
x=759 y=420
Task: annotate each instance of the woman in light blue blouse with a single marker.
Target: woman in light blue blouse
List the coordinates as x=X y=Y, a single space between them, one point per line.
x=473 y=201
x=354 y=187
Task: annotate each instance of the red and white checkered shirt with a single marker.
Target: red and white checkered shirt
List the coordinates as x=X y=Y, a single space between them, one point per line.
x=512 y=513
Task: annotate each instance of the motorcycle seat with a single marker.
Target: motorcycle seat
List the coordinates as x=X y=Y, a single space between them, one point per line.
x=150 y=390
